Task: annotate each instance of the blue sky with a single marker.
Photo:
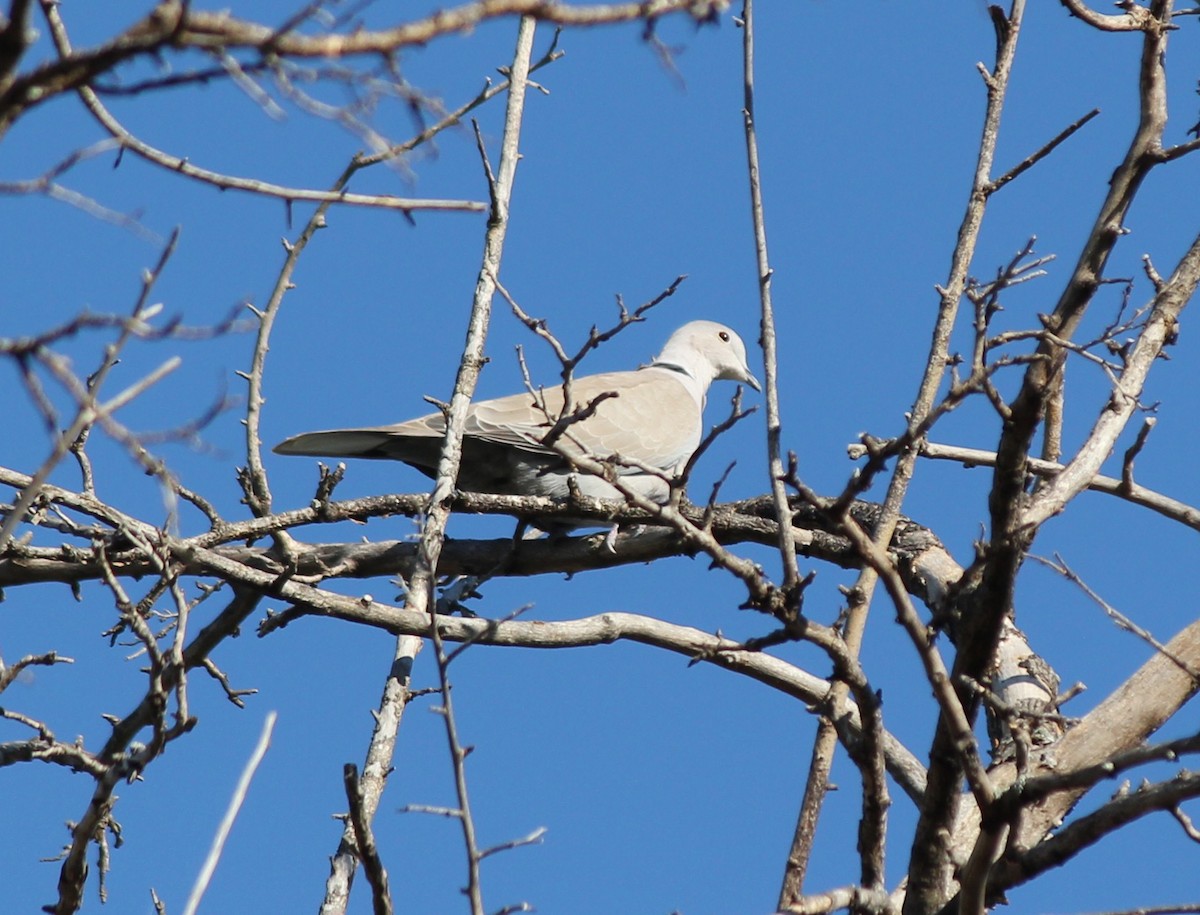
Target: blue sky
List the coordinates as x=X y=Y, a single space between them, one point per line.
x=662 y=787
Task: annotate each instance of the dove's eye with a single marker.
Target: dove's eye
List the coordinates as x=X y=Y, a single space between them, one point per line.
x=724 y=336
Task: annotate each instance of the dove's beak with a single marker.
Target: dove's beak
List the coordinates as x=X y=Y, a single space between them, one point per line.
x=752 y=381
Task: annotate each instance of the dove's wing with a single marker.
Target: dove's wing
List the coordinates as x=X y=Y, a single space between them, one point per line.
x=651 y=415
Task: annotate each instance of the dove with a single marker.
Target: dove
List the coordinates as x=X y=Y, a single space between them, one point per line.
x=651 y=416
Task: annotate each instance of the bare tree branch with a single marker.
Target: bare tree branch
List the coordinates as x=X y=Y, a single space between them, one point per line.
x=1133 y=492
x=364 y=842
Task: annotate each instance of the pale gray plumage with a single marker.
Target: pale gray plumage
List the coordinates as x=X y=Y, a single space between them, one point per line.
x=655 y=418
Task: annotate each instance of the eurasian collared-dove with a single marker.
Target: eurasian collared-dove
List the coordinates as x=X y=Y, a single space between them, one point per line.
x=654 y=419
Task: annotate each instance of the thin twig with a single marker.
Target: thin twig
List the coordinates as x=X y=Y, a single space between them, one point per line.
x=47 y=185
x=1060 y=566
x=10 y=672
x=235 y=804
x=1031 y=160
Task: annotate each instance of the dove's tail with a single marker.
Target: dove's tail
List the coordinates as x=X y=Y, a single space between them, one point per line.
x=357 y=443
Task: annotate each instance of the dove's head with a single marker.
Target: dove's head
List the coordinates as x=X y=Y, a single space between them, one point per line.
x=708 y=351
